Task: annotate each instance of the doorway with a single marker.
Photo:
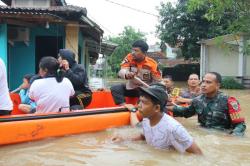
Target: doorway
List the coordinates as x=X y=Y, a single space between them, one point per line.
x=47 y=46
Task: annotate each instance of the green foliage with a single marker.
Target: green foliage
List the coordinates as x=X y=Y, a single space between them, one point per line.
x=237 y=10
x=124 y=41
x=231 y=83
x=178 y=26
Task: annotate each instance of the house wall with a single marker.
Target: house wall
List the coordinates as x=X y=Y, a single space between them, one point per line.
x=71 y=42
x=248 y=66
x=81 y=44
x=87 y=59
x=3 y=44
x=222 y=61
x=85 y=56
x=22 y=56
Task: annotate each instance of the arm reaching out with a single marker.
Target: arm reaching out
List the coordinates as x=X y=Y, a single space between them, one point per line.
x=118 y=139
x=133 y=116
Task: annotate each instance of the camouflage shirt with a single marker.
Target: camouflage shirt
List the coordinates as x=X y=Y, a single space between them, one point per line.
x=212 y=113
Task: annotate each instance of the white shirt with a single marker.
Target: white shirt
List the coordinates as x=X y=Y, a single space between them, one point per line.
x=50 y=96
x=5 y=101
x=168 y=133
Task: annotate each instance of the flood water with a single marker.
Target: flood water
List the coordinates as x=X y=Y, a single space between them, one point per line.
x=98 y=149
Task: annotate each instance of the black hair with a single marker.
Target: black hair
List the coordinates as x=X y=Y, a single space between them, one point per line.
x=51 y=64
x=28 y=76
x=168 y=77
x=66 y=52
x=141 y=44
x=217 y=76
x=154 y=101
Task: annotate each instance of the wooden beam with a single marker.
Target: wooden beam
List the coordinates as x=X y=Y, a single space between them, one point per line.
x=18 y=22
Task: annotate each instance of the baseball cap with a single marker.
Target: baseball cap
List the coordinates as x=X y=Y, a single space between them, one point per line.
x=157 y=91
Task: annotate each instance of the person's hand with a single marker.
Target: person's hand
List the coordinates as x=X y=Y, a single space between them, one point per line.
x=129 y=106
x=237 y=132
x=65 y=65
x=129 y=75
x=170 y=108
x=117 y=139
x=180 y=99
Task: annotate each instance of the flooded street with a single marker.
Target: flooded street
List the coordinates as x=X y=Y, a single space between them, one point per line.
x=98 y=149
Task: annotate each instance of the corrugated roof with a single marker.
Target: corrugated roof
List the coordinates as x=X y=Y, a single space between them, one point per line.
x=62 y=10
x=65 y=13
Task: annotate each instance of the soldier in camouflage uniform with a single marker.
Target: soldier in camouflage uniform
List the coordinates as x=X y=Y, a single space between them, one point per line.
x=214 y=109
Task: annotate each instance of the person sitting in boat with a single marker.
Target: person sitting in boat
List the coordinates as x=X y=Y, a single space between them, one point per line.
x=138 y=69
x=76 y=73
x=52 y=91
x=27 y=105
x=6 y=105
x=193 y=90
x=214 y=109
x=159 y=129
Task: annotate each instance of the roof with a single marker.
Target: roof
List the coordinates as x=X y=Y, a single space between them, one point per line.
x=157 y=55
x=61 y=14
x=63 y=11
x=229 y=38
x=107 y=48
x=182 y=61
x=57 y=2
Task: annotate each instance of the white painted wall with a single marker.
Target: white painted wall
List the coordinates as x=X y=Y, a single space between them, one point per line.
x=248 y=66
x=224 y=62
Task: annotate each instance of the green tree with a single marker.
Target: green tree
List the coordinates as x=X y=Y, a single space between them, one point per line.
x=124 y=41
x=180 y=27
x=237 y=10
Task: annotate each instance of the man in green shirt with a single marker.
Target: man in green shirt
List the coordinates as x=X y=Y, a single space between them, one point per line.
x=214 y=109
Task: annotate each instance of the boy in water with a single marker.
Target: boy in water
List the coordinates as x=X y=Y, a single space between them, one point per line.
x=159 y=129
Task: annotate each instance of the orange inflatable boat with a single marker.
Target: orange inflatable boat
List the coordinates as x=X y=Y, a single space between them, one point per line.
x=101 y=114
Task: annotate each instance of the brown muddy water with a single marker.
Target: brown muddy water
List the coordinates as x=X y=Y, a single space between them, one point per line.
x=98 y=149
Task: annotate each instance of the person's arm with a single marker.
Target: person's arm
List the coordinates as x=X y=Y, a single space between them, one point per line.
x=78 y=77
x=125 y=68
x=23 y=96
x=126 y=74
x=133 y=116
x=156 y=74
x=186 y=112
x=134 y=121
x=239 y=129
x=183 y=142
x=234 y=111
x=180 y=99
x=194 y=148
x=139 y=137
